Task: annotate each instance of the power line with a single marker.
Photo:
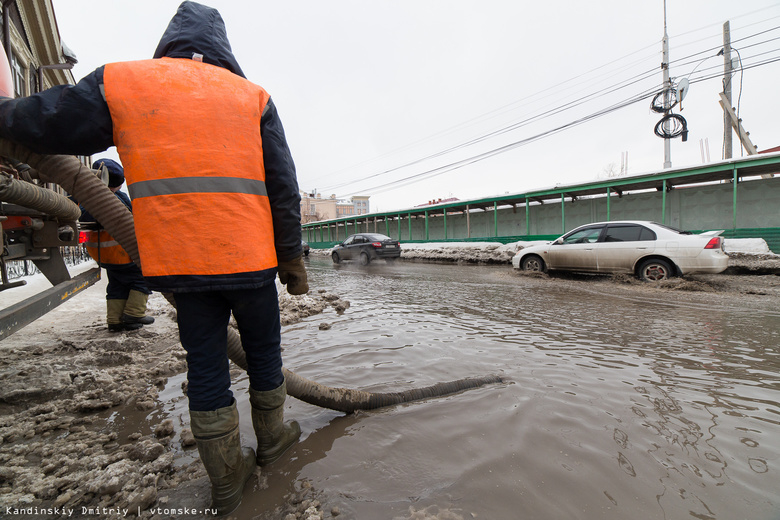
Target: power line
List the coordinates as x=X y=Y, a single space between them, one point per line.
x=434 y=172
x=502 y=149
x=535 y=118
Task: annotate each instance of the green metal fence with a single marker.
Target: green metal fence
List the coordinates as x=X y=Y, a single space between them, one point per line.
x=740 y=196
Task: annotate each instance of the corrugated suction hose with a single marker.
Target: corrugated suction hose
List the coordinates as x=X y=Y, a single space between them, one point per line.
x=86 y=187
x=36 y=197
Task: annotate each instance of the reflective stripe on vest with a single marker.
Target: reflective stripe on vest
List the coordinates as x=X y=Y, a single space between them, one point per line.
x=153 y=188
x=188 y=134
x=105 y=250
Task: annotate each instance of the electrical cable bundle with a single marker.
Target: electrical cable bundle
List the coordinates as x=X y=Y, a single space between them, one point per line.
x=671 y=126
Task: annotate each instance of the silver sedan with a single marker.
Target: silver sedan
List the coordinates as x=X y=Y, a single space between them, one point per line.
x=648 y=250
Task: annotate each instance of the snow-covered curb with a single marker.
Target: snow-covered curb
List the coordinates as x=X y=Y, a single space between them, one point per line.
x=496 y=252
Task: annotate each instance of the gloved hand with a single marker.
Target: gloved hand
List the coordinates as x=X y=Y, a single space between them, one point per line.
x=292 y=273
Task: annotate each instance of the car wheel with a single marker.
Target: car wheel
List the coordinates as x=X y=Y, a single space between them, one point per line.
x=533 y=263
x=655 y=270
x=335 y=257
x=364 y=258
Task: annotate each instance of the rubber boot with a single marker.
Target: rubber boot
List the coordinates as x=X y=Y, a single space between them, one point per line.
x=273 y=436
x=135 y=310
x=227 y=464
x=114 y=310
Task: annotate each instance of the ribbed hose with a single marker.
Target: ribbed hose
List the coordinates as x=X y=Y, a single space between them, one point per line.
x=86 y=187
x=82 y=183
x=348 y=400
x=38 y=198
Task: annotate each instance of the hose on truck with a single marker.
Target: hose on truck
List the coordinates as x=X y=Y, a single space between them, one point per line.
x=36 y=197
x=87 y=188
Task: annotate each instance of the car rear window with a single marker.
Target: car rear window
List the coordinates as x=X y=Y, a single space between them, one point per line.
x=628 y=234
x=375 y=237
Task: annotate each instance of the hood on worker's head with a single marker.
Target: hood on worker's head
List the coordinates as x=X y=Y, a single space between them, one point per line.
x=116 y=174
x=198 y=32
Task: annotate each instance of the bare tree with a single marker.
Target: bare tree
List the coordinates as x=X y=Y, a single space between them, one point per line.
x=310 y=217
x=610 y=171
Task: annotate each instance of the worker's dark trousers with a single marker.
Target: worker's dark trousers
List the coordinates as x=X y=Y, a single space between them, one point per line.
x=203 y=320
x=122 y=279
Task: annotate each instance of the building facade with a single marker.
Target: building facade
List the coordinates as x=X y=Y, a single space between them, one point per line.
x=33 y=47
x=33 y=52
x=315 y=208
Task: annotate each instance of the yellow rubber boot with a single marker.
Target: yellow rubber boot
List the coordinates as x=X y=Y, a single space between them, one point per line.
x=114 y=311
x=135 y=310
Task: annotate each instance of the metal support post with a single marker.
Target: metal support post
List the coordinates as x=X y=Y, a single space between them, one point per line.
x=727 y=74
x=563 y=215
x=734 y=203
x=663 y=204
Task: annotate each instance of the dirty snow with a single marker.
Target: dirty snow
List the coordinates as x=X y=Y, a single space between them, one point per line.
x=498 y=253
x=63 y=379
x=66 y=384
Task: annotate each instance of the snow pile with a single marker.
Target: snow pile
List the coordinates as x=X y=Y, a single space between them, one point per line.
x=747 y=245
x=293 y=309
x=465 y=252
x=498 y=253
x=66 y=379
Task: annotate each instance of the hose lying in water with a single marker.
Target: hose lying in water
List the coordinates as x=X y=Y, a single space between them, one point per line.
x=348 y=400
x=86 y=187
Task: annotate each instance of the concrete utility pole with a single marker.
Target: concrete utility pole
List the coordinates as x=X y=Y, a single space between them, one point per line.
x=667 y=92
x=727 y=74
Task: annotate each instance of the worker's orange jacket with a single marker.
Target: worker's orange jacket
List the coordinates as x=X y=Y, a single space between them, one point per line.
x=104 y=249
x=188 y=134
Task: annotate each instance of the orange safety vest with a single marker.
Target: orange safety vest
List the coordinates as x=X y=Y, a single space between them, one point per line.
x=188 y=134
x=104 y=249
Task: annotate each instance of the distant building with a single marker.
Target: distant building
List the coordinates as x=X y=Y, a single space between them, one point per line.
x=360 y=204
x=315 y=208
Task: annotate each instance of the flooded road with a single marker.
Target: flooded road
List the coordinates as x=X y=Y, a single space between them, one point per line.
x=619 y=402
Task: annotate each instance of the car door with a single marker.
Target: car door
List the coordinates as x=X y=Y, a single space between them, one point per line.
x=576 y=251
x=357 y=246
x=622 y=245
x=346 y=248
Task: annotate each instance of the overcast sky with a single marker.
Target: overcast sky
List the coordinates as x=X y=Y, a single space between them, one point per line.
x=412 y=100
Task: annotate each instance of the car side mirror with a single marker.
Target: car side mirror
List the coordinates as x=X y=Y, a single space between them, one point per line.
x=558 y=242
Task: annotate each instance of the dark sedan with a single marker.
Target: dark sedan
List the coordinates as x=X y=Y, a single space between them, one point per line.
x=367 y=247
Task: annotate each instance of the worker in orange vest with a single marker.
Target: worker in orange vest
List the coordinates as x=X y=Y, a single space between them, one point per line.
x=127 y=292
x=217 y=216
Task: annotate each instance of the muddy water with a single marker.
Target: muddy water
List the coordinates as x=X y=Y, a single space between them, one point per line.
x=619 y=403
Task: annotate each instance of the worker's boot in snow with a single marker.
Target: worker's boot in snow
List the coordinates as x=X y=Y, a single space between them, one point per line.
x=135 y=310
x=114 y=310
x=273 y=436
x=227 y=464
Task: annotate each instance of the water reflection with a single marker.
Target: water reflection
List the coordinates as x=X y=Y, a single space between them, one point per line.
x=622 y=404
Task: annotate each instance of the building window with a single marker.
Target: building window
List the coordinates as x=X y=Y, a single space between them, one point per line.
x=18 y=75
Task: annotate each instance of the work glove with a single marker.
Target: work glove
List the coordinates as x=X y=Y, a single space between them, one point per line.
x=292 y=273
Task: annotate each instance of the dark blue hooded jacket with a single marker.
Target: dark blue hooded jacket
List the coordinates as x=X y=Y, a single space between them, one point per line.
x=75 y=119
